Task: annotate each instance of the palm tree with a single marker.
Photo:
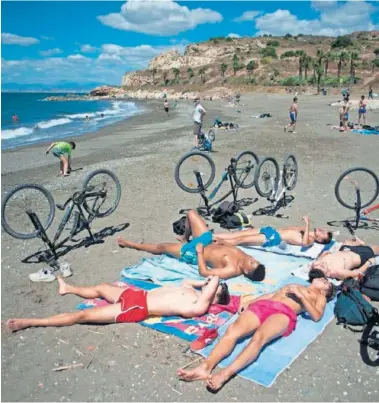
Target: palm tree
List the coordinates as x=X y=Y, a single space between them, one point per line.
x=342 y=57
x=307 y=64
x=236 y=64
x=251 y=66
x=354 y=56
x=202 y=73
x=190 y=72
x=327 y=58
x=223 y=68
x=300 y=54
x=376 y=52
x=165 y=74
x=176 y=72
x=154 y=72
x=319 y=72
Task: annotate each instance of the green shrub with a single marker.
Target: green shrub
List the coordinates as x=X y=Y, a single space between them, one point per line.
x=266 y=60
x=376 y=62
x=273 y=43
x=289 y=53
x=269 y=52
x=287 y=36
x=195 y=49
x=252 y=80
x=292 y=81
x=228 y=39
x=342 y=42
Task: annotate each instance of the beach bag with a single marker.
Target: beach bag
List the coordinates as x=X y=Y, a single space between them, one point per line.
x=235 y=221
x=370 y=283
x=207 y=144
x=179 y=226
x=226 y=208
x=352 y=309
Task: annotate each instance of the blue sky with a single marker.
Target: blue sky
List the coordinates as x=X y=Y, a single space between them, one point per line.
x=53 y=42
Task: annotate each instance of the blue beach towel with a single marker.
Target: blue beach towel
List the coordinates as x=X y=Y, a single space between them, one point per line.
x=366 y=132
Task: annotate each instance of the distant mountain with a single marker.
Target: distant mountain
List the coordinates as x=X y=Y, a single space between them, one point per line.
x=62 y=86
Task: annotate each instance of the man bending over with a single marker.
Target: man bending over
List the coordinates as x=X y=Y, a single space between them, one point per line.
x=226 y=260
x=352 y=260
x=268 y=236
x=134 y=305
x=268 y=317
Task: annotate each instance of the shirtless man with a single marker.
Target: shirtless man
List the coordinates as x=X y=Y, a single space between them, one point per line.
x=293 y=116
x=129 y=305
x=268 y=236
x=352 y=260
x=226 y=260
x=268 y=317
x=362 y=111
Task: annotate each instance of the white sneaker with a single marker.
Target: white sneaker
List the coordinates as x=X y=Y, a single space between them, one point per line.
x=65 y=268
x=44 y=275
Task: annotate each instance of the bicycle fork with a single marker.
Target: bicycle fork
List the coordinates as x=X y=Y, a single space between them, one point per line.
x=202 y=191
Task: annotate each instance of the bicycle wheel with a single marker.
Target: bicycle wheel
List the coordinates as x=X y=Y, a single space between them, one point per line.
x=246 y=165
x=21 y=199
x=212 y=135
x=106 y=181
x=188 y=165
x=290 y=172
x=345 y=187
x=266 y=176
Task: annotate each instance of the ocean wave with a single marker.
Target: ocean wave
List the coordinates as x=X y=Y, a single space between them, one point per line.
x=53 y=122
x=80 y=115
x=11 y=134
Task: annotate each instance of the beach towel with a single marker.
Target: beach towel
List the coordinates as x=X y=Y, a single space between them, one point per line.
x=280 y=353
x=366 y=132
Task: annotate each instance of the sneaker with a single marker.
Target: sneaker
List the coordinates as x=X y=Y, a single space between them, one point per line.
x=44 y=275
x=65 y=268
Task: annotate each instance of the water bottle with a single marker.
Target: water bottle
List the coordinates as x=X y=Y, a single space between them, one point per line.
x=283 y=245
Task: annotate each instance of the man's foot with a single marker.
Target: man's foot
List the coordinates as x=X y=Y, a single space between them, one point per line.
x=196 y=374
x=17 y=324
x=217 y=381
x=63 y=286
x=285 y=128
x=66 y=174
x=293 y=131
x=123 y=243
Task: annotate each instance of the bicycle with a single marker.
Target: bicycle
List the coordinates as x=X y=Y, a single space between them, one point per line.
x=20 y=220
x=195 y=172
x=356 y=189
x=272 y=183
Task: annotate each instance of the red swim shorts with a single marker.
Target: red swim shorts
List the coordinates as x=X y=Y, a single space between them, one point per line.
x=133 y=306
x=263 y=309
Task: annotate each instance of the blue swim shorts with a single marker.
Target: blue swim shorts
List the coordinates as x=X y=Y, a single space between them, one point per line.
x=293 y=117
x=188 y=251
x=272 y=236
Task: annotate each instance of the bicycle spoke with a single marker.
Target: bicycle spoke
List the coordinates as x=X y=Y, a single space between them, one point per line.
x=188 y=170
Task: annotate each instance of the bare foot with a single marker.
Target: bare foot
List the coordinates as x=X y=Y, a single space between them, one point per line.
x=17 y=324
x=217 y=381
x=200 y=372
x=63 y=286
x=123 y=243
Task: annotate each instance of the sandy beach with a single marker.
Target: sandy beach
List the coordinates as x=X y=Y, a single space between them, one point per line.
x=132 y=363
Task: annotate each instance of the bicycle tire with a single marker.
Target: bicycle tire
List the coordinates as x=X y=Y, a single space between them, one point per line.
x=189 y=155
x=349 y=171
x=286 y=184
x=240 y=183
x=29 y=235
x=261 y=191
x=212 y=135
x=114 y=205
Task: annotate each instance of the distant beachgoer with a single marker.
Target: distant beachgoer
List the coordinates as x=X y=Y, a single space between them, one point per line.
x=293 y=116
x=197 y=120
x=102 y=115
x=166 y=106
x=362 y=111
x=15 y=118
x=87 y=117
x=63 y=151
x=344 y=117
x=370 y=93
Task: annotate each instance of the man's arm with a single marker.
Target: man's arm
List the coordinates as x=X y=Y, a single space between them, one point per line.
x=195 y=283
x=315 y=310
x=343 y=274
x=50 y=147
x=223 y=272
x=306 y=239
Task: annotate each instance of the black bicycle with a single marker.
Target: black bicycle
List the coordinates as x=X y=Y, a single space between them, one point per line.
x=28 y=211
x=195 y=172
x=356 y=189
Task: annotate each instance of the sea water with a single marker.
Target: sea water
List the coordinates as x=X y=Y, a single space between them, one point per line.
x=41 y=121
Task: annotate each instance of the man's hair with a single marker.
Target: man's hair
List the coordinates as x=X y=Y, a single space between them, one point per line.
x=258 y=274
x=317 y=273
x=224 y=296
x=295 y=99
x=362 y=96
x=328 y=239
x=72 y=144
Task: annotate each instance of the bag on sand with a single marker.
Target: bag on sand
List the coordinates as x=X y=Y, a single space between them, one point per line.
x=370 y=283
x=235 y=221
x=179 y=226
x=226 y=208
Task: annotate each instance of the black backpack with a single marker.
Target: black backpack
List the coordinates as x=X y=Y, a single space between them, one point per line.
x=225 y=209
x=370 y=283
x=235 y=221
x=179 y=226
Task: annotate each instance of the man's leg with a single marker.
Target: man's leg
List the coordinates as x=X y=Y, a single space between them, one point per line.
x=60 y=167
x=65 y=164
x=105 y=314
x=246 y=324
x=172 y=249
x=227 y=236
x=274 y=327
x=375 y=248
x=196 y=225
x=258 y=239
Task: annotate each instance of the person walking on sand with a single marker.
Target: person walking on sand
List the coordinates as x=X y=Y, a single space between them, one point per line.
x=197 y=120
x=362 y=111
x=63 y=151
x=370 y=93
x=294 y=109
x=166 y=106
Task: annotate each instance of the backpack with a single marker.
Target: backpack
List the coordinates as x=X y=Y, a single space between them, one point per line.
x=207 y=144
x=352 y=309
x=179 y=226
x=370 y=283
x=226 y=208
x=235 y=221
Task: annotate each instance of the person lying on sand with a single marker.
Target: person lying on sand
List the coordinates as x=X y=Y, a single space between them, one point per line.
x=267 y=318
x=352 y=260
x=269 y=236
x=226 y=260
x=128 y=305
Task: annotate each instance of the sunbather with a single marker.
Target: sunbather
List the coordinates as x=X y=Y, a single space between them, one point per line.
x=268 y=236
x=268 y=317
x=226 y=260
x=352 y=260
x=134 y=305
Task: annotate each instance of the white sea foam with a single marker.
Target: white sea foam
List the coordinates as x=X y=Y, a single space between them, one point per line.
x=53 y=122
x=11 y=134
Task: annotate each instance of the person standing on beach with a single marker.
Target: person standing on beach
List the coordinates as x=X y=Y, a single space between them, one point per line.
x=166 y=106
x=370 y=93
x=63 y=151
x=197 y=120
x=362 y=111
x=344 y=116
x=293 y=116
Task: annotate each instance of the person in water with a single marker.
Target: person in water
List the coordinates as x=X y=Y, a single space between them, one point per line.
x=15 y=118
x=129 y=305
x=226 y=261
x=362 y=111
x=293 y=111
x=63 y=151
x=266 y=318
